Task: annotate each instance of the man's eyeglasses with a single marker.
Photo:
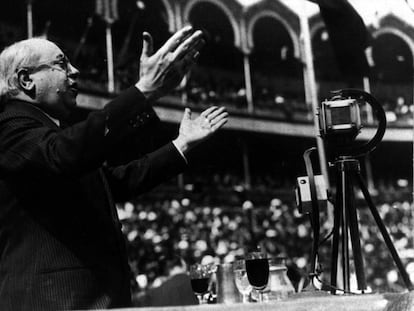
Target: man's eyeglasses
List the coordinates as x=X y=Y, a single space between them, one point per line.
x=58 y=64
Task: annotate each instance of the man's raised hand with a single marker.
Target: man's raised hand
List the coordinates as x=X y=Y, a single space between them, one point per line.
x=162 y=71
x=194 y=131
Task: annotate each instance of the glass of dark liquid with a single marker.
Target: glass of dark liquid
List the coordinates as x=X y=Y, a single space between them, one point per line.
x=257 y=269
x=200 y=280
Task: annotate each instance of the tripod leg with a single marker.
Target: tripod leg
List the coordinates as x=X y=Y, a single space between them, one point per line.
x=355 y=241
x=335 y=239
x=385 y=234
x=344 y=227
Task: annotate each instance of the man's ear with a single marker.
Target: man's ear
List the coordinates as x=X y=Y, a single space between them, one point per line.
x=25 y=81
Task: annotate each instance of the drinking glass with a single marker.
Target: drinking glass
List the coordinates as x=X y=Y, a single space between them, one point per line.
x=257 y=268
x=279 y=283
x=240 y=278
x=200 y=280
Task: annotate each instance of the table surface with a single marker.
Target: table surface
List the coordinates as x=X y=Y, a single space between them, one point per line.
x=316 y=301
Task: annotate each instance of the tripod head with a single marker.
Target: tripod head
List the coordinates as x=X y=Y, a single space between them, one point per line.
x=340 y=123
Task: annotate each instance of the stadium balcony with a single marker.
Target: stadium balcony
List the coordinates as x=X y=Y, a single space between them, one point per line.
x=273 y=113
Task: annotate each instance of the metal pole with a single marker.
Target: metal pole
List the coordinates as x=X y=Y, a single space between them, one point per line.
x=110 y=58
x=246 y=166
x=370 y=120
x=312 y=99
x=180 y=182
x=248 y=82
x=29 y=19
x=367 y=88
x=82 y=41
x=125 y=46
x=310 y=90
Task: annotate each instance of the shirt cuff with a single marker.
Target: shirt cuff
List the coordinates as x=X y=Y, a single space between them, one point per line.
x=180 y=151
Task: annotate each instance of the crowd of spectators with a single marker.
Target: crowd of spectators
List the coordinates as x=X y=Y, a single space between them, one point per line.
x=398 y=111
x=208 y=86
x=180 y=228
x=280 y=98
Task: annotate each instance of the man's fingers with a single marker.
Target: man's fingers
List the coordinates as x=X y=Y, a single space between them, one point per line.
x=219 y=124
x=216 y=113
x=190 y=45
x=147 y=45
x=176 y=39
x=187 y=114
x=218 y=118
x=206 y=112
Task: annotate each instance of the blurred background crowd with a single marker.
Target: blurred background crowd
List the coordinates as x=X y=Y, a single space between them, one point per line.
x=164 y=235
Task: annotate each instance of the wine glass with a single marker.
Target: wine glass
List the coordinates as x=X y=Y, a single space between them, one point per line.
x=200 y=280
x=257 y=268
x=240 y=278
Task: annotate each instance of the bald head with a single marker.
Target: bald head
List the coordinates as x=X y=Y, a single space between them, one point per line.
x=21 y=54
x=37 y=71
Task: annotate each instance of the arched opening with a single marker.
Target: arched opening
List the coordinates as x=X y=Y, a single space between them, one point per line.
x=392 y=76
x=277 y=74
x=219 y=75
x=327 y=72
x=219 y=49
x=135 y=17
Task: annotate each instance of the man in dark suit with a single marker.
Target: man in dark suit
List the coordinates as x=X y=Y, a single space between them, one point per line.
x=61 y=246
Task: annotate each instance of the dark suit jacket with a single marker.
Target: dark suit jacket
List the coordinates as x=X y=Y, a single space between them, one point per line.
x=61 y=245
